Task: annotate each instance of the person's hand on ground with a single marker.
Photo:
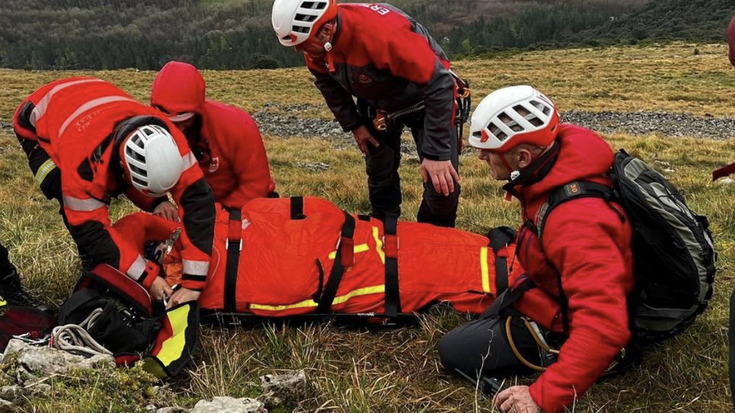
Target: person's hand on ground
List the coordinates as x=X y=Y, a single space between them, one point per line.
x=167 y=210
x=363 y=138
x=442 y=175
x=516 y=399
x=160 y=289
x=184 y=295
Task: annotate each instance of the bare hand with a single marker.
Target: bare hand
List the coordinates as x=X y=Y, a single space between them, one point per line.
x=516 y=399
x=363 y=137
x=442 y=175
x=167 y=210
x=160 y=289
x=182 y=296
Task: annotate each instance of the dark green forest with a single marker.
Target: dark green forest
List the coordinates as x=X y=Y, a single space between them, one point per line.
x=236 y=34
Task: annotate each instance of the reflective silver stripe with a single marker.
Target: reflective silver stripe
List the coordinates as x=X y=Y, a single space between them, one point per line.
x=92 y=104
x=196 y=267
x=40 y=109
x=189 y=160
x=137 y=268
x=82 y=205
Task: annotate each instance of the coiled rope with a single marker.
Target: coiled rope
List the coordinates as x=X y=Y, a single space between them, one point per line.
x=75 y=339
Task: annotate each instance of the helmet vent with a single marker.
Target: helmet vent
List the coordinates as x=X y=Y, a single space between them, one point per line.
x=305 y=18
x=135 y=155
x=138 y=171
x=540 y=106
x=300 y=29
x=314 y=5
x=148 y=132
x=536 y=122
x=139 y=181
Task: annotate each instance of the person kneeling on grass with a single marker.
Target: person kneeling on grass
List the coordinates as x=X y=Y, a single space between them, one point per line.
x=582 y=271
x=299 y=256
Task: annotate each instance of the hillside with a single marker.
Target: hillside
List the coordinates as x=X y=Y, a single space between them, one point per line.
x=228 y=34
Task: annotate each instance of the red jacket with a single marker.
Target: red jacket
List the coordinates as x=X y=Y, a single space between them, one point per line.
x=586 y=243
x=74 y=121
x=383 y=56
x=229 y=148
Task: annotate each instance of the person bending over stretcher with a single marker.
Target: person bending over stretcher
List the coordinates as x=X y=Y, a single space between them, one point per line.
x=287 y=257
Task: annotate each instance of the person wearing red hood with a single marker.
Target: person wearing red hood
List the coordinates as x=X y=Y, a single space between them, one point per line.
x=731 y=40
x=582 y=271
x=225 y=140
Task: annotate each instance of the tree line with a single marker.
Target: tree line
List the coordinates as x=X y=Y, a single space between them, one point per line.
x=236 y=34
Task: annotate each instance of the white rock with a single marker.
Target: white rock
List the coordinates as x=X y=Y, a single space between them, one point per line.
x=49 y=361
x=229 y=405
x=725 y=181
x=172 y=410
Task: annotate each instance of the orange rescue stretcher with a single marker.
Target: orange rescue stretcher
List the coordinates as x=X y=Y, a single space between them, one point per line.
x=304 y=256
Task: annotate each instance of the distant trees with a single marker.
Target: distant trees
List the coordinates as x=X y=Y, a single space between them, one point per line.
x=236 y=34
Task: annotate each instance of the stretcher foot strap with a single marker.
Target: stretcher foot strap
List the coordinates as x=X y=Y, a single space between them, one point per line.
x=344 y=249
x=390 y=244
x=297 y=208
x=234 y=247
x=500 y=238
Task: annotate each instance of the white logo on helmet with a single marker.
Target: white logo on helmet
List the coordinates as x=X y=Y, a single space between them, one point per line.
x=152 y=160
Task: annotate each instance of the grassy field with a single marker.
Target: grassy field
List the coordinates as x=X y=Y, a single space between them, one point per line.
x=353 y=370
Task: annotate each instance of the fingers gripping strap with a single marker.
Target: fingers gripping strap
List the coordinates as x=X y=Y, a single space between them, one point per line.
x=234 y=246
x=335 y=276
x=390 y=246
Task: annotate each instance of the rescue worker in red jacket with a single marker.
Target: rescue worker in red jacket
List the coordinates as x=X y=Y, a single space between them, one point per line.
x=398 y=73
x=87 y=141
x=731 y=40
x=225 y=140
x=582 y=269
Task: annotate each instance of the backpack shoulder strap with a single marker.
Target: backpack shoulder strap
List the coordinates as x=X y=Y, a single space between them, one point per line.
x=570 y=192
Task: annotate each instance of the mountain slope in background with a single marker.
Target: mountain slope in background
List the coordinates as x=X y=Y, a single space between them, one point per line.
x=236 y=34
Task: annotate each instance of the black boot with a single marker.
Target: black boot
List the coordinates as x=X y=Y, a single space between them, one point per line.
x=13 y=293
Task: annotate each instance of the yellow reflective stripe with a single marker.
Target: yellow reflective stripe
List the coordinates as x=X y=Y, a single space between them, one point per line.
x=358 y=249
x=378 y=244
x=44 y=170
x=311 y=303
x=483 y=266
x=3 y=303
x=173 y=347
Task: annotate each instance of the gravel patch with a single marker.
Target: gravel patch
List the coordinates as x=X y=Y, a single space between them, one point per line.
x=635 y=123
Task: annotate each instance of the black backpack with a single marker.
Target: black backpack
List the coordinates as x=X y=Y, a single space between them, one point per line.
x=673 y=251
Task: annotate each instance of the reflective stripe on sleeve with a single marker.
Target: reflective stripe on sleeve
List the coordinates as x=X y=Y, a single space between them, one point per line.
x=200 y=268
x=82 y=205
x=44 y=170
x=483 y=267
x=137 y=268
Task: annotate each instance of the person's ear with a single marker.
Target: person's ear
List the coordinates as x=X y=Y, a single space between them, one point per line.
x=524 y=158
x=327 y=30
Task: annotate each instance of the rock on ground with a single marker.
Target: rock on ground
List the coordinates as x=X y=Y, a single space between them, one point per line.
x=229 y=405
x=172 y=410
x=281 y=388
x=8 y=407
x=47 y=361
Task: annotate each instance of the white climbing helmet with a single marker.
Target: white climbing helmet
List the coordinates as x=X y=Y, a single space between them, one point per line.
x=296 y=21
x=512 y=116
x=151 y=159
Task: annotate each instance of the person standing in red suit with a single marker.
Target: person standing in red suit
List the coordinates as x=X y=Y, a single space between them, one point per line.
x=88 y=141
x=401 y=78
x=225 y=140
x=582 y=271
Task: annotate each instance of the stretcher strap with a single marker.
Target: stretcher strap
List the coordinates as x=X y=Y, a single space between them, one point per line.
x=500 y=238
x=234 y=246
x=297 y=208
x=390 y=246
x=338 y=269
x=508 y=297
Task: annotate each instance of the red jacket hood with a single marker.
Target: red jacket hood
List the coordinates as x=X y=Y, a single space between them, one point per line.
x=178 y=88
x=583 y=155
